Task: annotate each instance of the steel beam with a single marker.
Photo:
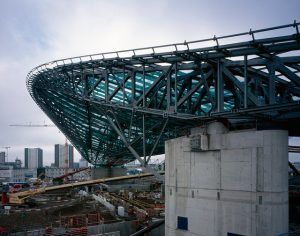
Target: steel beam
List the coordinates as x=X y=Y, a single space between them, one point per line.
x=219 y=87
x=245 y=82
x=131 y=149
x=257 y=79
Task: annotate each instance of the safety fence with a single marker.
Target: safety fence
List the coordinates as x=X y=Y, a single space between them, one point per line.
x=109 y=234
x=123 y=228
x=81 y=220
x=142 y=214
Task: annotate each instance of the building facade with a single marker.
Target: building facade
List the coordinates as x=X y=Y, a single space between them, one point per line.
x=76 y=165
x=10 y=174
x=51 y=173
x=60 y=151
x=33 y=158
x=2 y=157
x=56 y=172
x=83 y=163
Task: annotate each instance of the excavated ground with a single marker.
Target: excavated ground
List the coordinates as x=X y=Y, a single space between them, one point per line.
x=49 y=214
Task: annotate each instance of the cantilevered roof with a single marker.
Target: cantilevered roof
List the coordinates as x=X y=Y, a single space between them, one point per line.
x=107 y=104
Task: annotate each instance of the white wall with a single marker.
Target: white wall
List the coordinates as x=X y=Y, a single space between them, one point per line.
x=238 y=186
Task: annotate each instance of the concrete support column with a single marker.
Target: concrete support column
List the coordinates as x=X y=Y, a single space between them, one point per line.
x=227 y=183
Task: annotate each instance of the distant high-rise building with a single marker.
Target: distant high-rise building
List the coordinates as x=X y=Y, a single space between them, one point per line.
x=83 y=163
x=2 y=157
x=18 y=164
x=76 y=165
x=33 y=158
x=10 y=174
x=60 y=151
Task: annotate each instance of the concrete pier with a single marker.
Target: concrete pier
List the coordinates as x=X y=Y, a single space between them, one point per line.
x=227 y=183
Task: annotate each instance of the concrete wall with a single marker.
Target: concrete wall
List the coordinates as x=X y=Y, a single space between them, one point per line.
x=126 y=186
x=98 y=173
x=238 y=185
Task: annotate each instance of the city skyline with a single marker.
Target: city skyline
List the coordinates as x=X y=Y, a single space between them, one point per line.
x=50 y=160
x=31 y=35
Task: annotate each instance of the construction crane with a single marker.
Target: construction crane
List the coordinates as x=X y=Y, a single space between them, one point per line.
x=66 y=151
x=33 y=125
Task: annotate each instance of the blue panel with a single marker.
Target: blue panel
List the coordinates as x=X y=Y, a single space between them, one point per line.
x=232 y=234
x=182 y=223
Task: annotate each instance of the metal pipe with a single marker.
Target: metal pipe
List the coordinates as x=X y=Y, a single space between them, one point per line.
x=144 y=140
x=220 y=87
x=149 y=228
x=175 y=89
x=157 y=140
x=245 y=82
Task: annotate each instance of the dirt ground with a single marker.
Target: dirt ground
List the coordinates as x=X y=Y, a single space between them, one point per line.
x=42 y=216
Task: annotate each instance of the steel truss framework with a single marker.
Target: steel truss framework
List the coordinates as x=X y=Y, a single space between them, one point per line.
x=116 y=107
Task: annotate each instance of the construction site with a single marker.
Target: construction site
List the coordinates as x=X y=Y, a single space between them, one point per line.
x=118 y=204
x=221 y=110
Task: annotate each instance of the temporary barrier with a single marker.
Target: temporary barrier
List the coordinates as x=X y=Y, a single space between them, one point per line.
x=81 y=220
x=113 y=229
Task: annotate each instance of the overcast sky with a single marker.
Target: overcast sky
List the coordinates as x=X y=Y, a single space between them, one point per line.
x=33 y=32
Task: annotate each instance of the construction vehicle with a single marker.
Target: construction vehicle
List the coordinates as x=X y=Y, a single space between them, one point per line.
x=60 y=179
x=20 y=197
x=4 y=188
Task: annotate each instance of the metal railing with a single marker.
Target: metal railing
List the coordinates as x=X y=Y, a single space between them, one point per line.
x=153 y=50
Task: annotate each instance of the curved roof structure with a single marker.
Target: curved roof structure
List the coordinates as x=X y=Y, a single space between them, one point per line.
x=110 y=104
